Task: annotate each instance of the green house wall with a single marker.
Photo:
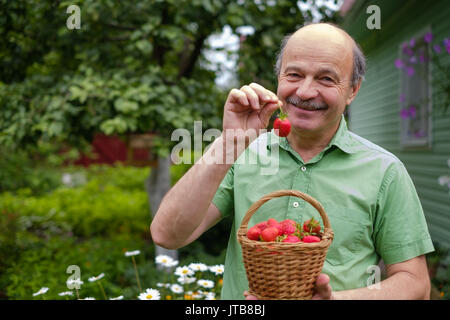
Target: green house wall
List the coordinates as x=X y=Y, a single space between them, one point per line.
x=374 y=114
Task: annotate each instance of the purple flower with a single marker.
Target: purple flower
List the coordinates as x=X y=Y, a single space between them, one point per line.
x=412 y=111
x=412 y=42
x=413 y=59
x=399 y=64
x=402 y=98
x=428 y=37
x=407 y=50
x=404 y=114
x=410 y=71
x=447 y=44
x=437 y=48
x=422 y=58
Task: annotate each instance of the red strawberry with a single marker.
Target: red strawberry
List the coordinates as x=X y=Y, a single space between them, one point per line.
x=311 y=226
x=253 y=233
x=288 y=228
x=289 y=221
x=271 y=222
x=310 y=239
x=262 y=225
x=269 y=234
x=283 y=125
x=291 y=239
x=274 y=223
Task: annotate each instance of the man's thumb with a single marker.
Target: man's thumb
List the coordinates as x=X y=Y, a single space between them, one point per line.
x=267 y=112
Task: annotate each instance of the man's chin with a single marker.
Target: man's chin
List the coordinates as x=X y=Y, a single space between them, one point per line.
x=304 y=126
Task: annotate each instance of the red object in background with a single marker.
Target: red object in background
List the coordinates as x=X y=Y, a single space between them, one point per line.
x=111 y=149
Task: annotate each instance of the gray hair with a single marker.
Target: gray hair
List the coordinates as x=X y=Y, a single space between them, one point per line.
x=359 y=60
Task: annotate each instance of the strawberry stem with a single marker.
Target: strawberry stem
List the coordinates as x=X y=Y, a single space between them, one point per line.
x=282 y=115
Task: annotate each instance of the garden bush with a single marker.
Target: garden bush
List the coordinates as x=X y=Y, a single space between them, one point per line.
x=90 y=223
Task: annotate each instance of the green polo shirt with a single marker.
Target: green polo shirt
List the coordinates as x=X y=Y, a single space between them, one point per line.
x=368 y=195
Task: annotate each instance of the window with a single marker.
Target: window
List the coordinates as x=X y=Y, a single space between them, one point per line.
x=415 y=96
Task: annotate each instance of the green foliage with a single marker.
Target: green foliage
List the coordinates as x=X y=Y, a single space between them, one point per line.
x=19 y=171
x=90 y=224
x=45 y=265
x=99 y=207
x=131 y=67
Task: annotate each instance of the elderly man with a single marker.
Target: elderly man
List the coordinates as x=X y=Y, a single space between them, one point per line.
x=366 y=191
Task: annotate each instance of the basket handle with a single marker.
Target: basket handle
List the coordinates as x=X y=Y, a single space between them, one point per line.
x=281 y=193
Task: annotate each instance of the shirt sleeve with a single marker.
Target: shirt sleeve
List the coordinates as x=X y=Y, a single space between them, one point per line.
x=224 y=197
x=400 y=230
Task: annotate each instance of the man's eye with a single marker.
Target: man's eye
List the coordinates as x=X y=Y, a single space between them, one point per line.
x=328 y=79
x=293 y=75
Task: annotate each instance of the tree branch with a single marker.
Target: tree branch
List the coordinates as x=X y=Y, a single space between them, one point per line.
x=187 y=64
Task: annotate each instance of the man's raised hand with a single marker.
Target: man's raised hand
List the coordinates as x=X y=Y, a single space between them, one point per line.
x=249 y=107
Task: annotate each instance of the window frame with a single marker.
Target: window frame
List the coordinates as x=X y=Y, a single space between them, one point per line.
x=424 y=143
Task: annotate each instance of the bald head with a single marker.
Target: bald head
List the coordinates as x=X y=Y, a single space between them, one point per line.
x=329 y=36
x=323 y=32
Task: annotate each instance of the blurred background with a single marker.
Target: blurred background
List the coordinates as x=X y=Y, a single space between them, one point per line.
x=91 y=92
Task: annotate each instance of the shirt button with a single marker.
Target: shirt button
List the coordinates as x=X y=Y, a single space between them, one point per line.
x=303 y=168
x=295 y=204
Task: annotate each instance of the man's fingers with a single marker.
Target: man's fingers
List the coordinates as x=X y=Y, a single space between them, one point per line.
x=264 y=95
x=239 y=97
x=267 y=112
x=249 y=296
x=252 y=97
x=323 y=289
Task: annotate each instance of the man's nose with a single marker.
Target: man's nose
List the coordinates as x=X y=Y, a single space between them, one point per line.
x=307 y=89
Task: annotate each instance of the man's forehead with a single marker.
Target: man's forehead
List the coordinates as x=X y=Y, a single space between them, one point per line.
x=323 y=42
x=323 y=32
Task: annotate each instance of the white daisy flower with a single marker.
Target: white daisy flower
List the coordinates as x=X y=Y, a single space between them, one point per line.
x=132 y=253
x=198 y=267
x=208 y=284
x=88 y=298
x=150 y=294
x=65 y=293
x=117 y=298
x=163 y=285
x=164 y=260
x=92 y=279
x=186 y=280
x=176 y=288
x=71 y=283
x=217 y=269
x=210 y=296
x=174 y=263
x=184 y=271
x=41 y=291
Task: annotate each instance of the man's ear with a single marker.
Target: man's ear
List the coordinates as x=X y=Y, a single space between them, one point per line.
x=354 y=91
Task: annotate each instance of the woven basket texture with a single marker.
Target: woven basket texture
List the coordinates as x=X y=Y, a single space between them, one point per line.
x=283 y=271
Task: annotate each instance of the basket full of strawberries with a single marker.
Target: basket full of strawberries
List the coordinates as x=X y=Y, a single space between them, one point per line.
x=283 y=259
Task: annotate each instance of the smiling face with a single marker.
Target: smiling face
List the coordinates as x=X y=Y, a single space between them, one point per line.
x=315 y=79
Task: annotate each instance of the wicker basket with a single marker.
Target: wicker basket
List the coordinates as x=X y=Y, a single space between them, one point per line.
x=278 y=270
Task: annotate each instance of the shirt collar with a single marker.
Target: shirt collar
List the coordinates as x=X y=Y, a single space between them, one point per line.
x=341 y=139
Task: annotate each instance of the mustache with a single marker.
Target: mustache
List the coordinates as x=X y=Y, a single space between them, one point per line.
x=298 y=102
